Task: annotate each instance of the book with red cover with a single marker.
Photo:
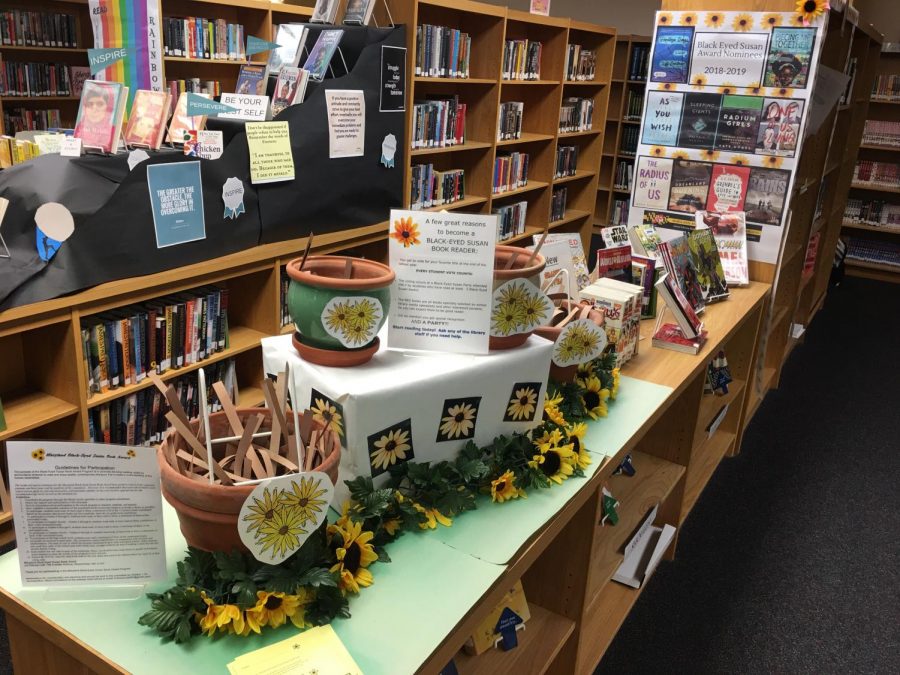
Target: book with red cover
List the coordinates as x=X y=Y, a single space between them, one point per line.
x=680 y=307
x=670 y=336
x=727 y=188
x=615 y=263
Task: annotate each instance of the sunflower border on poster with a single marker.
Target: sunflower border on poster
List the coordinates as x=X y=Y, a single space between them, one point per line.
x=713 y=64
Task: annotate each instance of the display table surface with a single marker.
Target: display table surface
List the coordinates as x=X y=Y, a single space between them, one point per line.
x=433 y=581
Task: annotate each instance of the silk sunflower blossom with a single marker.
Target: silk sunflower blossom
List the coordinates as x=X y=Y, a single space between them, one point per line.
x=219 y=617
x=594 y=398
x=274 y=610
x=504 y=488
x=556 y=462
x=432 y=517
x=811 y=10
x=354 y=554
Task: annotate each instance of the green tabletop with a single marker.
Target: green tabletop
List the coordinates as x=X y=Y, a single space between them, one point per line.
x=496 y=533
x=386 y=633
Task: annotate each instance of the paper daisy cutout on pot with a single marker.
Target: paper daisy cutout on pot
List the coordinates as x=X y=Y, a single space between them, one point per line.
x=715 y=19
x=327 y=412
x=518 y=307
x=522 y=405
x=458 y=419
x=406 y=232
x=352 y=320
x=337 y=316
x=390 y=446
x=306 y=497
x=742 y=22
x=688 y=19
x=579 y=342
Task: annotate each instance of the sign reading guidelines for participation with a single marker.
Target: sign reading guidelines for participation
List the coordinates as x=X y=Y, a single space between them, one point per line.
x=86 y=513
x=444 y=262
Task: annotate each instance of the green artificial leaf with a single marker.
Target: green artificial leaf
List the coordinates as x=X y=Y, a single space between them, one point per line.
x=171 y=613
x=245 y=592
x=382 y=554
x=317 y=577
x=328 y=605
x=471 y=469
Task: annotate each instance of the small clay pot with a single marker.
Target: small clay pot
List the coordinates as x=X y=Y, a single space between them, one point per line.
x=552 y=332
x=208 y=512
x=321 y=280
x=502 y=254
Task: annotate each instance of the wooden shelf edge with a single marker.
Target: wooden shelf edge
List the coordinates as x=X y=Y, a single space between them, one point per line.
x=32 y=409
x=530 y=186
x=468 y=145
x=852 y=225
x=578 y=175
x=458 y=204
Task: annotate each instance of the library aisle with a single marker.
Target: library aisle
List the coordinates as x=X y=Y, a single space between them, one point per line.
x=789 y=561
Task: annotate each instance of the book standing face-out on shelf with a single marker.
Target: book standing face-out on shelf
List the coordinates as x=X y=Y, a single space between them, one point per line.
x=358 y=12
x=320 y=55
x=147 y=123
x=325 y=11
x=730 y=233
x=251 y=80
x=182 y=122
x=100 y=114
x=290 y=38
x=290 y=88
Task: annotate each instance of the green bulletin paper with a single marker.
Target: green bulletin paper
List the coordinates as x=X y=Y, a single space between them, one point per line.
x=494 y=532
x=396 y=623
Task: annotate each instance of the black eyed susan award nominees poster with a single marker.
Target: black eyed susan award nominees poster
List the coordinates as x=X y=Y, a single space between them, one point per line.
x=724 y=115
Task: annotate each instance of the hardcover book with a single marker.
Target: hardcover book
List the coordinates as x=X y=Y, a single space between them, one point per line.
x=690 y=185
x=766 y=191
x=710 y=274
x=614 y=263
x=358 y=12
x=78 y=75
x=671 y=54
x=790 y=51
x=739 y=123
x=182 y=122
x=100 y=113
x=251 y=80
x=147 y=124
x=290 y=38
x=699 y=119
x=670 y=336
x=730 y=232
x=645 y=272
x=320 y=55
x=290 y=88
x=677 y=259
x=325 y=11
x=727 y=187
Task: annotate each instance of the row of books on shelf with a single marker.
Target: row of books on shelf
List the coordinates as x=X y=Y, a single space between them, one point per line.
x=872 y=212
x=580 y=63
x=438 y=123
x=623 y=176
x=576 y=114
x=639 y=61
x=634 y=106
x=872 y=251
x=886 y=88
x=884 y=174
x=619 y=213
x=510 y=172
x=30 y=119
x=194 y=85
x=442 y=51
x=140 y=418
x=521 y=60
x=509 y=120
x=881 y=132
x=19 y=78
x=558 y=204
x=628 y=140
x=511 y=222
x=122 y=347
x=36 y=28
x=356 y=12
x=15 y=151
x=196 y=37
x=430 y=188
x=566 y=161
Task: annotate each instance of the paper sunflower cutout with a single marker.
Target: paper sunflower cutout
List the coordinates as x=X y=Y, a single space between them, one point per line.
x=715 y=19
x=810 y=10
x=406 y=232
x=742 y=22
x=277 y=518
x=709 y=155
x=688 y=19
x=770 y=20
x=329 y=412
x=518 y=307
x=663 y=19
x=523 y=402
x=458 y=419
x=390 y=446
x=352 y=320
x=699 y=81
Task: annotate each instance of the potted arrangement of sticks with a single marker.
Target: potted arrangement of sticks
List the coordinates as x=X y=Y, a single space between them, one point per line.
x=518 y=306
x=210 y=465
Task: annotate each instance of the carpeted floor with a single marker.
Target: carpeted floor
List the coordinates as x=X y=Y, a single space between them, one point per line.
x=790 y=561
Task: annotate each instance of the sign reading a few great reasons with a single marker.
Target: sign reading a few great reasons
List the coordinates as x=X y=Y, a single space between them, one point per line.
x=724 y=115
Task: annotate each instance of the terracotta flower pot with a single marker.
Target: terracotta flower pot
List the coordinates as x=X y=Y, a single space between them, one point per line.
x=553 y=330
x=532 y=273
x=208 y=512
x=337 y=318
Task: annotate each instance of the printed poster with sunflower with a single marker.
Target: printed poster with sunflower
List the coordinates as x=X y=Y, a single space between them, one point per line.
x=725 y=110
x=444 y=262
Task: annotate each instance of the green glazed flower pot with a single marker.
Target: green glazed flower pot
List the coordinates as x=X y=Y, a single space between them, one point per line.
x=337 y=317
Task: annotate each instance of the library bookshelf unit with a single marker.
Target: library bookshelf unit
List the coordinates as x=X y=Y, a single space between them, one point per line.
x=485 y=90
x=257 y=16
x=885 y=108
x=627 y=85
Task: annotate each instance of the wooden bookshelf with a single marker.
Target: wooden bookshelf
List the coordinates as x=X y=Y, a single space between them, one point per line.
x=617 y=121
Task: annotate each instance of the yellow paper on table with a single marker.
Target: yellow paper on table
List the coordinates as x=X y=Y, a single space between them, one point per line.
x=317 y=651
x=269 y=144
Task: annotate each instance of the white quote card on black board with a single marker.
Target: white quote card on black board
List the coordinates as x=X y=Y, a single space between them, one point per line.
x=442 y=297
x=86 y=513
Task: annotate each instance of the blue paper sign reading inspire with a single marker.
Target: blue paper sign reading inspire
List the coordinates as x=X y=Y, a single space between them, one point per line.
x=176 y=197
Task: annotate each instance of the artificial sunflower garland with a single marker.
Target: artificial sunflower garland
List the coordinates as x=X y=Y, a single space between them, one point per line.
x=233 y=593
